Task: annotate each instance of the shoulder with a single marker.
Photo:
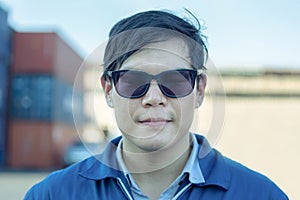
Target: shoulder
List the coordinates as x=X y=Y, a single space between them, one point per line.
x=252 y=182
x=236 y=179
x=58 y=181
x=240 y=171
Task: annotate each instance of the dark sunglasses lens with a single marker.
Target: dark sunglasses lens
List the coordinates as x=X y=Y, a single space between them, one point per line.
x=177 y=83
x=131 y=84
x=174 y=84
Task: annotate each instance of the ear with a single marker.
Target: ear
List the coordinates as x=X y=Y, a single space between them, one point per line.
x=107 y=88
x=201 y=85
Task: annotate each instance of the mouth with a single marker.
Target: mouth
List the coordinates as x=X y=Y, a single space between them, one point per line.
x=155 y=122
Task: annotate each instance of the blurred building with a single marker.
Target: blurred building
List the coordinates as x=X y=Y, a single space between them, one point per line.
x=5 y=55
x=262 y=83
x=100 y=125
x=42 y=100
x=261 y=125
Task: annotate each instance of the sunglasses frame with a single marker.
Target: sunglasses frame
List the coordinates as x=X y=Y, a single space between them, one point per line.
x=195 y=73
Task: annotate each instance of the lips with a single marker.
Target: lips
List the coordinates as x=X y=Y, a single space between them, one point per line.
x=152 y=122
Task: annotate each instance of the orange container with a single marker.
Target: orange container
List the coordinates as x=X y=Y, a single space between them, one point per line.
x=33 y=52
x=38 y=145
x=44 y=53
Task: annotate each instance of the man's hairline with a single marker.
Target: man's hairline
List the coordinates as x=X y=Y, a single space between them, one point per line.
x=187 y=59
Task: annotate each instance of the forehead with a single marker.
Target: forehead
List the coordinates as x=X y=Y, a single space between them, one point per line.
x=169 y=54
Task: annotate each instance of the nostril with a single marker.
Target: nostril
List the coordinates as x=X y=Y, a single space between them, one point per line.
x=155 y=104
x=154 y=97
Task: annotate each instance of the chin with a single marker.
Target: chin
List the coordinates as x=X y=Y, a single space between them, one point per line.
x=155 y=144
x=150 y=140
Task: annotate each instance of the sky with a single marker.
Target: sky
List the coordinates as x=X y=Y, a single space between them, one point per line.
x=241 y=33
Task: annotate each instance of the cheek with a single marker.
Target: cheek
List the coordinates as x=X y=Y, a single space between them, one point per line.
x=185 y=111
x=124 y=110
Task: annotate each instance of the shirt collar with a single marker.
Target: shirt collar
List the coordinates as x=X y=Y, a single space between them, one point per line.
x=214 y=168
x=119 y=157
x=123 y=167
x=192 y=167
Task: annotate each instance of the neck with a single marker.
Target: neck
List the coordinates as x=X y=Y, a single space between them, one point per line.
x=148 y=169
x=175 y=156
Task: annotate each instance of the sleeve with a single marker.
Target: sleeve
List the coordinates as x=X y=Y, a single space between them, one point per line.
x=276 y=193
x=37 y=192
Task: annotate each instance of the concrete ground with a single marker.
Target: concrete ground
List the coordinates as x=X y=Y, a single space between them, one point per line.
x=14 y=185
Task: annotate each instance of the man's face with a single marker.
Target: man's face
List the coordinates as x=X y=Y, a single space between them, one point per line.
x=155 y=121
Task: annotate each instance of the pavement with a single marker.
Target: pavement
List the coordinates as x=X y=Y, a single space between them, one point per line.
x=14 y=184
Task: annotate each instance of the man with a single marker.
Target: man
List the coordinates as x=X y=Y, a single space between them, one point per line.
x=154 y=79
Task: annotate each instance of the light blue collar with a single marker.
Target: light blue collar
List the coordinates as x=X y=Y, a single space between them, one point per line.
x=192 y=167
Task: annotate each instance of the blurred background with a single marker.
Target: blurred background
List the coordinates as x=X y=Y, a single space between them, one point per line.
x=52 y=107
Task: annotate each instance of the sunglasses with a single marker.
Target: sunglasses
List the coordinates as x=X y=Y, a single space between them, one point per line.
x=173 y=83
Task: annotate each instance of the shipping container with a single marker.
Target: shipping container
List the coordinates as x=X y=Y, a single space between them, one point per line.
x=3 y=15
x=5 y=51
x=67 y=63
x=5 y=39
x=68 y=102
x=3 y=88
x=45 y=52
x=38 y=145
x=63 y=135
x=31 y=97
x=2 y=139
x=5 y=55
x=44 y=98
x=3 y=23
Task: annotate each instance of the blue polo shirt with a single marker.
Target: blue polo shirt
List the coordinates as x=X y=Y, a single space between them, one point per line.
x=191 y=170
x=100 y=177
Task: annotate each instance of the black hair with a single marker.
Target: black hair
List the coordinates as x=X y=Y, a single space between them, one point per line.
x=131 y=34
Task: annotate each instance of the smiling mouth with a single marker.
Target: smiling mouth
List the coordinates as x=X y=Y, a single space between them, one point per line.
x=154 y=122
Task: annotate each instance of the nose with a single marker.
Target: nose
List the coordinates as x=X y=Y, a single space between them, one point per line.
x=154 y=97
